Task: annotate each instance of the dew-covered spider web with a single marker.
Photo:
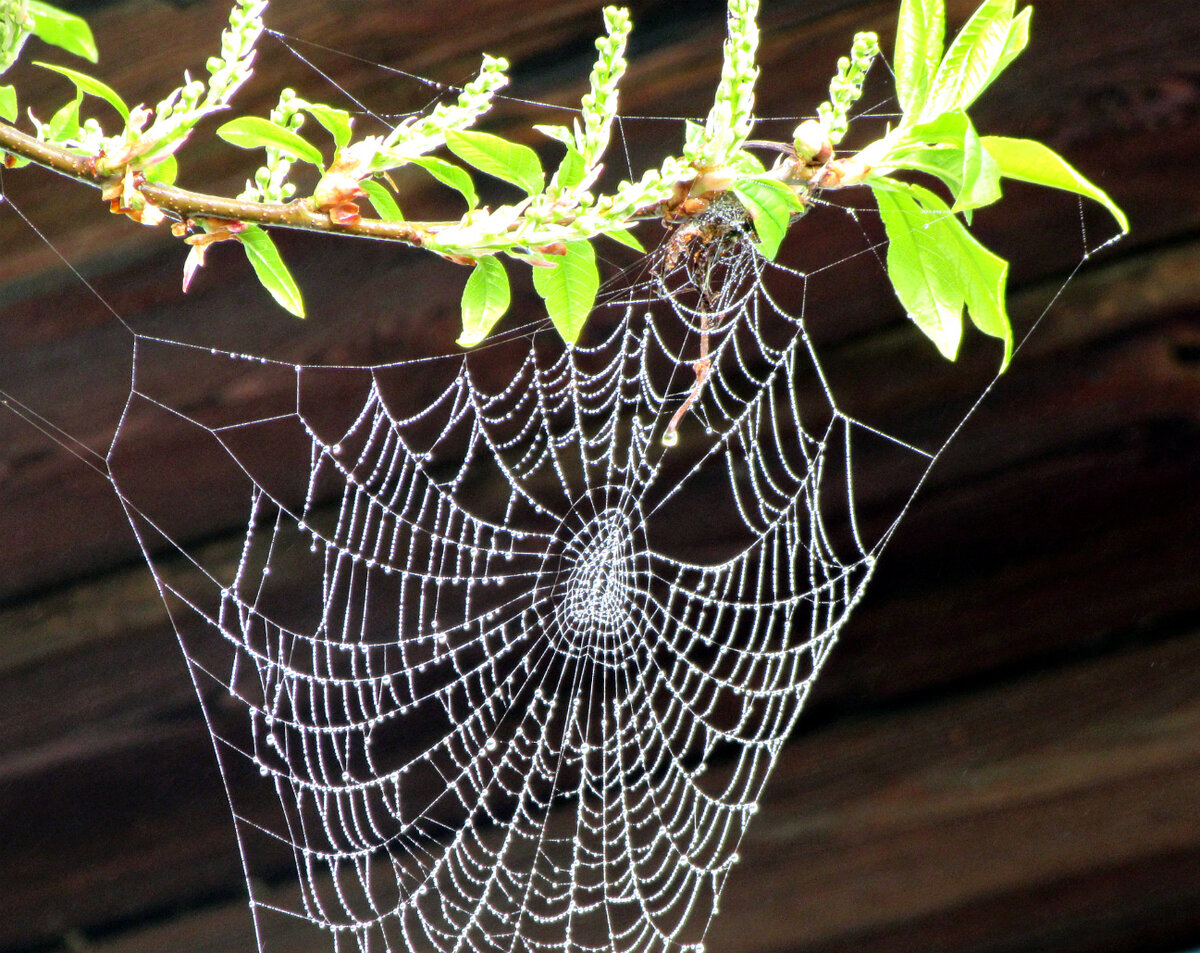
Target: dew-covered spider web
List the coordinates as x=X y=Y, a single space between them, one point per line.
x=510 y=671
x=513 y=637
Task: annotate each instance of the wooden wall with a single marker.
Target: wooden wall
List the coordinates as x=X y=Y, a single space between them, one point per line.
x=1003 y=753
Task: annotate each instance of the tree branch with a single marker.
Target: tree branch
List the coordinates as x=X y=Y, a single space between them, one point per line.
x=186 y=204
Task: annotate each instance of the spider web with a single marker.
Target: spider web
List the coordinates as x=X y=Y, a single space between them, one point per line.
x=493 y=701
x=496 y=666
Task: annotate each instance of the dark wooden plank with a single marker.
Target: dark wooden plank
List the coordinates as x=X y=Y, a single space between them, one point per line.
x=1001 y=753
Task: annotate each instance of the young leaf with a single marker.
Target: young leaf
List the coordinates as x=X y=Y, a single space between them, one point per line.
x=498 y=157
x=971 y=174
x=449 y=174
x=936 y=267
x=93 y=87
x=625 y=237
x=1031 y=161
x=561 y=133
x=982 y=275
x=8 y=103
x=771 y=205
x=164 y=171
x=62 y=29
x=569 y=289
x=970 y=62
x=381 y=199
x=1018 y=39
x=64 y=124
x=920 y=33
x=271 y=271
x=254 y=132
x=335 y=121
x=484 y=300
x=570 y=170
x=918 y=270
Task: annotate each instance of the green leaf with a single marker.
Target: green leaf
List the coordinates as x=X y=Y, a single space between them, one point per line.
x=982 y=274
x=1030 y=161
x=918 y=270
x=381 y=199
x=271 y=271
x=569 y=289
x=937 y=267
x=449 y=174
x=484 y=300
x=1018 y=39
x=920 y=34
x=62 y=29
x=64 y=124
x=8 y=103
x=498 y=157
x=164 y=171
x=958 y=159
x=970 y=62
x=254 y=132
x=561 y=133
x=93 y=87
x=335 y=121
x=771 y=205
x=625 y=237
x=571 y=170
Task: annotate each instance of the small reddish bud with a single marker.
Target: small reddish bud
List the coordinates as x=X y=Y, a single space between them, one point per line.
x=345 y=213
x=717 y=180
x=336 y=188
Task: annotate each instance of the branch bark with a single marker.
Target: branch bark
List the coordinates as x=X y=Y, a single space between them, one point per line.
x=185 y=204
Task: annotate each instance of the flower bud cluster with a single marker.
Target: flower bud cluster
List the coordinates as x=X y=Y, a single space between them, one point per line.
x=418 y=135
x=231 y=69
x=846 y=87
x=16 y=25
x=732 y=114
x=270 y=181
x=599 y=105
x=177 y=115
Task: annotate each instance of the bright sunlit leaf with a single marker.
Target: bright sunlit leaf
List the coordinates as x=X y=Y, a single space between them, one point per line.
x=385 y=205
x=254 y=132
x=484 y=300
x=970 y=62
x=1031 y=161
x=498 y=157
x=90 y=86
x=8 y=103
x=62 y=29
x=920 y=34
x=771 y=205
x=449 y=174
x=272 y=272
x=569 y=288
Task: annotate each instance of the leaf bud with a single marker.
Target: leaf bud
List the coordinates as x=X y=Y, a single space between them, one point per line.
x=812 y=141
